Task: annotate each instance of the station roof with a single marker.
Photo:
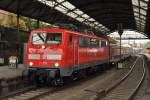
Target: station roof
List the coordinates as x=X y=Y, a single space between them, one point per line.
x=132 y=14
x=102 y=15
x=35 y=10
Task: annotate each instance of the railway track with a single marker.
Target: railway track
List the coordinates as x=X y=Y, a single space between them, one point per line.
x=126 y=88
x=31 y=94
x=20 y=91
x=36 y=93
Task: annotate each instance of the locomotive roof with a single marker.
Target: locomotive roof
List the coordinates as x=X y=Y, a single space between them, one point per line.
x=57 y=29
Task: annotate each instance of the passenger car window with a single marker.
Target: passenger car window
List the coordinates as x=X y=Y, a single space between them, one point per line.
x=100 y=44
x=103 y=43
x=71 y=39
x=94 y=42
x=84 y=41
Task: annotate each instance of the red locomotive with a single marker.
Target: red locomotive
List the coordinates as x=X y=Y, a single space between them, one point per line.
x=54 y=53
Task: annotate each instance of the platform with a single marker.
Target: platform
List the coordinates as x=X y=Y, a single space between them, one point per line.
x=7 y=72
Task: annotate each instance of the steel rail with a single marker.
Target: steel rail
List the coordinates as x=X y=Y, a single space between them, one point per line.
x=17 y=92
x=122 y=79
x=110 y=93
x=31 y=94
x=142 y=79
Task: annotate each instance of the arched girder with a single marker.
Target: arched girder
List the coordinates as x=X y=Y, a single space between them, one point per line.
x=87 y=3
x=108 y=10
x=119 y=12
x=113 y=24
x=117 y=18
x=140 y=14
x=113 y=16
x=105 y=8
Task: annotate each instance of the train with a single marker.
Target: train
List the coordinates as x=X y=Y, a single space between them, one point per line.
x=53 y=54
x=126 y=51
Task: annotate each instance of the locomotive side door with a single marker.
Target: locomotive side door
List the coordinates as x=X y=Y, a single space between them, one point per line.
x=73 y=49
x=76 y=54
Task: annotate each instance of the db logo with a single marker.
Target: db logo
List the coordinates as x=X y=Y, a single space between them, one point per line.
x=31 y=50
x=44 y=63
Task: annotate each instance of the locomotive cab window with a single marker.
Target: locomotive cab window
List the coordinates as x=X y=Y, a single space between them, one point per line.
x=46 y=38
x=54 y=38
x=38 y=38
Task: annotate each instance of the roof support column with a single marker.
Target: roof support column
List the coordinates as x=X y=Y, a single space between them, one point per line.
x=139 y=5
x=18 y=16
x=38 y=23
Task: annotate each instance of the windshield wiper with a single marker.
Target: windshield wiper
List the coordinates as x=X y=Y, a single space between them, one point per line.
x=41 y=37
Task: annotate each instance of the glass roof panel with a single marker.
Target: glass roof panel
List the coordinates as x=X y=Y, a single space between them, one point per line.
x=68 y=5
x=61 y=9
x=136 y=14
x=143 y=4
x=146 y=0
x=100 y=25
x=140 y=19
x=103 y=27
x=80 y=19
x=91 y=19
x=136 y=9
x=86 y=22
x=135 y=2
x=85 y=16
x=60 y=1
x=142 y=11
x=73 y=15
x=49 y=3
x=139 y=23
x=92 y=24
x=143 y=17
x=78 y=11
x=96 y=27
x=64 y=6
x=136 y=18
x=96 y=23
x=141 y=27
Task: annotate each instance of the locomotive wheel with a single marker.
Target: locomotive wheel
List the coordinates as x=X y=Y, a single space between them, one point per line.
x=83 y=74
x=57 y=82
x=103 y=67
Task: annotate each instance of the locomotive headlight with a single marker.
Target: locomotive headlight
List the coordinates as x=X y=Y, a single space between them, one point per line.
x=43 y=46
x=30 y=63
x=56 y=64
